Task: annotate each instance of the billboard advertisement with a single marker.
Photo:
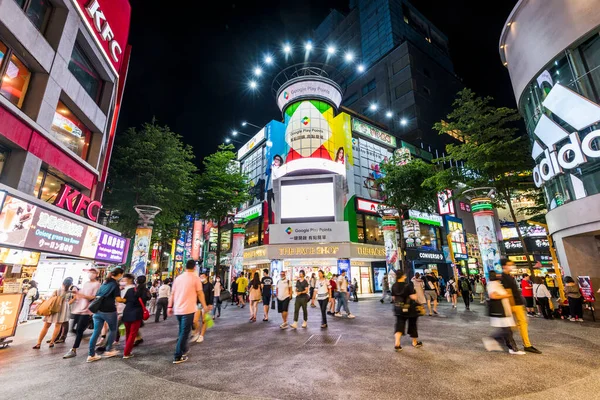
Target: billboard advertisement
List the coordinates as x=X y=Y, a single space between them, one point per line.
x=141 y=245
x=10 y=308
x=368 y=167
x=23 y=224
x=197 y=240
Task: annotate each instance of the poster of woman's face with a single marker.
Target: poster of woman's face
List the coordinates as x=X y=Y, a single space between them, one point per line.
x=277 y=161
x=339 y=156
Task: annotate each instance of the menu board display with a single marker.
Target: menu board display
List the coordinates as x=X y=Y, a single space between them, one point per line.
x=10 y=307
x=23 y=224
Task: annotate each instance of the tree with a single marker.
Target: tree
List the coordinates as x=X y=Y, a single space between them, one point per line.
x=150 y=166
x=406 y=187
x=492 y=152
x=223 y=188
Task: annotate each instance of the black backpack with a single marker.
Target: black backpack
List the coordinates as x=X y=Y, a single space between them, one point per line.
x=464 y=285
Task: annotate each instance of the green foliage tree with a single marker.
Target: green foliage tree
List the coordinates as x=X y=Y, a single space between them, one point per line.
x=150 y=166
x=407 y=187
x=223 y=187
x=492 y=152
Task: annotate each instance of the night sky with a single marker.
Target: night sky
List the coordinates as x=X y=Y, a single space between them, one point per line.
x=190 y=66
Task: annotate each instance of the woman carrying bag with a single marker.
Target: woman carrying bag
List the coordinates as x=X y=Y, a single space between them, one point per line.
x=134 y=313
x=405 y=310
x=58 y=316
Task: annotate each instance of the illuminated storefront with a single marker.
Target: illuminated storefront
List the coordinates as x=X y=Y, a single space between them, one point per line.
x=555 y=78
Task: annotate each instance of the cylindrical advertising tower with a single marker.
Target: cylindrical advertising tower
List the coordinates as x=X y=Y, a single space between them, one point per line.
x=390 y=239
x=483 y=215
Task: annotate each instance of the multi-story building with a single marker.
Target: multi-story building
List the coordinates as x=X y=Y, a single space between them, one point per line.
x=408 y=77
x=552 y=52
x=63 y=65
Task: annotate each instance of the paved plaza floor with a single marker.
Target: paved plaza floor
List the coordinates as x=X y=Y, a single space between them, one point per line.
x=352 y=359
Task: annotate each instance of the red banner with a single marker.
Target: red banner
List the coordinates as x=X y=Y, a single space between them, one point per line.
x=585 y=285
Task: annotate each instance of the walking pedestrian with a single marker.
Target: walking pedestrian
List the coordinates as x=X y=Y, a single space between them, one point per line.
x=313 y=283
x=342 y=286
x=133 y=313
x=575 y=299
x=154 y=297
x=432 y=291
x=323 y=292
x=234 y=295
x=500 y=317
x=551 y=285
x=242 y=284
x=527 y=292
x=355 y=289
x=284 y=295
x=465 y=291
x=79 y=310
x=405 y=310
x=266 y=284
x=335 y=293
x=30 y=297
x=186 y=291
x=125 y=283
x=517 y=307
x=63 y=315
x=542 y=296
x=162 y=300
x=255 y=296
x=107 y=294
x=452 y=292
x=201 y=313
x=419 y=286
x=479 y=289
x=217 y=298
x=385 y=289
x=301 y=300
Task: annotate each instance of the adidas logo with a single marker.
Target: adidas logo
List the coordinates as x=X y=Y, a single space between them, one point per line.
x=579 y=113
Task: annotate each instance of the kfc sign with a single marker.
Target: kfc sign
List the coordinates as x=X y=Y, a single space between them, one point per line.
x=108 y=21
x=76 y=202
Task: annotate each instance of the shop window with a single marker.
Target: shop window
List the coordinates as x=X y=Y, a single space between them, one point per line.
x=373 y=232
x=85 y=73
x=47 y=186
x=430 y=237
x=38 y=12
x=360 y=224
x=15 y=76
x=252 y=234
x=71 y=131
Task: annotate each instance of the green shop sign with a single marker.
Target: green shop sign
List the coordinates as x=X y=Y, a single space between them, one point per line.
x=372 y=132
x=425 y=218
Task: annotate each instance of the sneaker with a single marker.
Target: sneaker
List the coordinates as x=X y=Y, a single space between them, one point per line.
x=572 y=319
x=294 y=325
x=304 y=324
x=323 y=326
x=200 y=339
x=195 y=338
x=285 y=325
x=532 y=349
x=418 y=344
x=111 y=353
x=435 y=312
x=381 y=301
x=93 y=358
x=181 y=360
x=516 y=352
x=491 y=344
x=70 y=354
x=129 y=356
x=351 y=316
x=338 y=314
x=329 y=313
x=398 y=348
x=100 y=349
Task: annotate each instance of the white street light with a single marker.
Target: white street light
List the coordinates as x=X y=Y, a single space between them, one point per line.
x=244 y=123
x=258 y=71
x=253 y=84
x=268 y=60
x=373 y=107
x=360 y=68
x=330 y=50
x=287 y=49
x=227 y=140
x=308 y=46
x=403 y=122
x=389 y=114
x=349 y=56
x=235 y=133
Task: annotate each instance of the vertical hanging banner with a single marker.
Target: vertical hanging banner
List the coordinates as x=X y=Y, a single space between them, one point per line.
x=141 y=245
x=237 y=250
x=172 y=260
x=483 y=216
x=197 y=239
x=390 y=240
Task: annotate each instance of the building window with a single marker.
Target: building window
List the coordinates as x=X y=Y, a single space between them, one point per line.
x=252 y=233
x=369 y=87
x=373 y=232
x=351 y=99
x=85 y=73
x=430 y=238
x=403 y=88
x=38 y=12
x=47 y=186
x=71 y=131
x=15 y=76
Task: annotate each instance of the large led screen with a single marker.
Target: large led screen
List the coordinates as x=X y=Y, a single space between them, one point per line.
x=307 y=201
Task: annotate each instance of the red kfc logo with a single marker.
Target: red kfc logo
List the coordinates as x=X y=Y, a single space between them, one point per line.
x=74 y=201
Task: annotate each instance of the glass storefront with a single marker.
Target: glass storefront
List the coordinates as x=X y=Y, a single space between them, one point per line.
x=578 y=69
x=369 y=229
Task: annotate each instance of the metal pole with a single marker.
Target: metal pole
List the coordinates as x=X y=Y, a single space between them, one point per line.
x=557 y=269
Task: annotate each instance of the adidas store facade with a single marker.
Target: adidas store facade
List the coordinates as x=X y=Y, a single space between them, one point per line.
x=552 y=52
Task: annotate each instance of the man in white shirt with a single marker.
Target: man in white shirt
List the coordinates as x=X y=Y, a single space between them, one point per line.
x=164 y=292
x=342 y=286
x=284 y=295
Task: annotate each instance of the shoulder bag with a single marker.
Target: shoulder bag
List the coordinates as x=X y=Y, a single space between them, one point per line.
x=145 y=312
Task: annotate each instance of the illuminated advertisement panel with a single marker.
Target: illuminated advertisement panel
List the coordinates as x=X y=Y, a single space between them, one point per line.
x=313 y=89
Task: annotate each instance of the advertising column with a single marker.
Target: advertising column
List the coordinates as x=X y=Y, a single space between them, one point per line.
x=237 y=250
x=391 y=243
x=483 y=215
x=139 y=261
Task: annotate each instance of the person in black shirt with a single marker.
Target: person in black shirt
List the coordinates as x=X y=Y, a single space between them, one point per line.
x=266 y=283
x=302 y=288
x=133 y=312
x=405 y=297
x=107 y=312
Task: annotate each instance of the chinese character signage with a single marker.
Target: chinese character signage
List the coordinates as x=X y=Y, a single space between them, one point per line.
x=458 y=242
x=310 y=232
x=464 y=206
x=10 y=307
x=445 y=205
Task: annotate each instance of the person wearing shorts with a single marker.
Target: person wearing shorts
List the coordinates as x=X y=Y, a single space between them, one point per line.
x=284 y=294
x=431 y=291
x=266 y=285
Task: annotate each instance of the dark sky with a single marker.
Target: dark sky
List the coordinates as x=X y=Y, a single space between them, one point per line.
x=190 y=66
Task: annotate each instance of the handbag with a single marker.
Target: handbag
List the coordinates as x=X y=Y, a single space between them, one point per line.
x=225 y=295
x=51 y=306
x=95 y=304
x=145 y=312
x=273 y=304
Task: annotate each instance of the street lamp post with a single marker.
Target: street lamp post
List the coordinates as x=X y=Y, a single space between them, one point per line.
x=244 y=123
x=236 y=132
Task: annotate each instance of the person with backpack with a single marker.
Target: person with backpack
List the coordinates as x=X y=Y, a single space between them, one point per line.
x=30 y=297
x=134 y=299
x=465 y=291
x=452 y=292
x=80 y=311
x=59 y=313
x=432 y=290
x=405 y=310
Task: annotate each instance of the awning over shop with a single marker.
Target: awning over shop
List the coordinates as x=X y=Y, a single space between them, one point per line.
x=353 y=251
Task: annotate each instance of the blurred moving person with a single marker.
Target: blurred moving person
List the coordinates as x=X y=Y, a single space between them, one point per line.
x=405 y=310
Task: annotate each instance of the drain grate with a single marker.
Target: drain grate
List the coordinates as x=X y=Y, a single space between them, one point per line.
x=323 y=340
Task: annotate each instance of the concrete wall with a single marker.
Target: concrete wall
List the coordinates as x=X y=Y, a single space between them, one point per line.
x=539 y=30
